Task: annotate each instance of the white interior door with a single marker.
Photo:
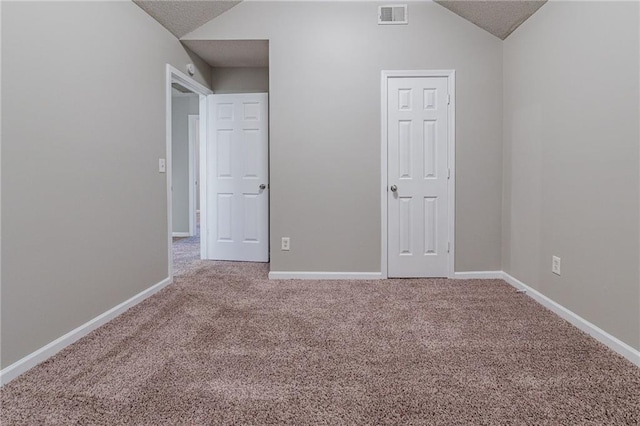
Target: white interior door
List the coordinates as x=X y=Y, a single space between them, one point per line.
x=418 y=222
x=237 y=194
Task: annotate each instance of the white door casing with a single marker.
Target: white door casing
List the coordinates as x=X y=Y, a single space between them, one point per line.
x=194 y=142
x=172 y=75
x=237 y=194
x=418 y=173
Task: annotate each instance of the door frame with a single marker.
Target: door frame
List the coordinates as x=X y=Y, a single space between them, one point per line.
x=451 y=143
x=173 y=75
x=192 y=173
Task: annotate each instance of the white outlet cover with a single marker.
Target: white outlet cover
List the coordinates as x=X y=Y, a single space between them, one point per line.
x=555 y=265
x=162 y=165
x=285 y=243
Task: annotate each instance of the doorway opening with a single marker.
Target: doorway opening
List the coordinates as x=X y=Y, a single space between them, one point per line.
x=186 y=113
x=184 y=160
x=234 y=169
x=218 y=169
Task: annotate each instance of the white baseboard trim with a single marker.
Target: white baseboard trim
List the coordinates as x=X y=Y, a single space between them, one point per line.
x=181 y=234
x=481 y=275
x=275 y=275
x=23 y=365
x=594 y=331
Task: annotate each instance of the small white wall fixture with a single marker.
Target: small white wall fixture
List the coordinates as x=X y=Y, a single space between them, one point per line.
x=451 y=85
x=175 y=76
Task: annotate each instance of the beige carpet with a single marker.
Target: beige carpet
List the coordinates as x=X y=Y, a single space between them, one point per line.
x=224 y=345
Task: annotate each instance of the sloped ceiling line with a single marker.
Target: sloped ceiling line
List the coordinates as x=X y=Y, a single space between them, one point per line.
x=499 y=17
x=181 y=17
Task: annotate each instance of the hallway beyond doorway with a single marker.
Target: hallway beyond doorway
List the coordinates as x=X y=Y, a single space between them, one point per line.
x=186 y=251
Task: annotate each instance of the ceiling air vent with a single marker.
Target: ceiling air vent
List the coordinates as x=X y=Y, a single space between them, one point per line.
x=392 y=15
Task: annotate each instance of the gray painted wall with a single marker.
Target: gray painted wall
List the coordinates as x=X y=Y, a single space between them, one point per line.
x=84 y=208
x=181 y=107
x=325 y=63
x=571 y=93
x=84 y=213
x=240 y=80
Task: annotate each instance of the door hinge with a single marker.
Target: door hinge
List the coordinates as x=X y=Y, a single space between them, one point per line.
x=448 y=99
x=449 y=174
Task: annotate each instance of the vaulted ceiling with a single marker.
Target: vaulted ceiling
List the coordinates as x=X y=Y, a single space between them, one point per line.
x=499 y=17
x=181 y=17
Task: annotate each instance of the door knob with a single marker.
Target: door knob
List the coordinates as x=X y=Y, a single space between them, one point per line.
x=393 y=188
x=262 y=186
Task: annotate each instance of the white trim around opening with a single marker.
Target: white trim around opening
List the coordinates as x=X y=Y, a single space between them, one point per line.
x=175 y=76
x=193 y=178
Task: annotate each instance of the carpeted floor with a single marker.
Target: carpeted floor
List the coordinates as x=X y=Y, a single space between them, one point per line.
x=224 y=345
x=186 y=253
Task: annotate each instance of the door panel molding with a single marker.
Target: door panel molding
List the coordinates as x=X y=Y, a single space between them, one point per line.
x=385 y=78
x=234 y=202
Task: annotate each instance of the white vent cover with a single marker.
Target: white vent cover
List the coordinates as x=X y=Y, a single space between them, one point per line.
x=392 y=15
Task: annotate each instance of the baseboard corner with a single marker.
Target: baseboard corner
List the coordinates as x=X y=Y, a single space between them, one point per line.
x=592 y=330
x=28 y=362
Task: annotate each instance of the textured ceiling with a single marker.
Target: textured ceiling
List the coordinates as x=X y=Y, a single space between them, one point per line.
x=499 y=17
x=183 y=16
x=231 y=53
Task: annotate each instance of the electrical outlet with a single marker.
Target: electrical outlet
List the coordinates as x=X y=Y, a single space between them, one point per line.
x=285 y=244
x=555 y=265
x=162 y=165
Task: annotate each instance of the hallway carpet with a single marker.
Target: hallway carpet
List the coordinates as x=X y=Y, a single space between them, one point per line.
x=224 y=345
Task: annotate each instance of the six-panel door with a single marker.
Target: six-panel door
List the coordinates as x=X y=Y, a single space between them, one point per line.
x=417 y=177
x=237 y=178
